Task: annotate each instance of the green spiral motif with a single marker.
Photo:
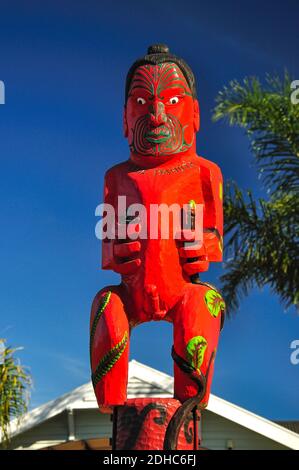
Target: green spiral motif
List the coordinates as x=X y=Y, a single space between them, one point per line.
x=100 y=311
x=214 y=302
x=196 y=349
x=108 y=361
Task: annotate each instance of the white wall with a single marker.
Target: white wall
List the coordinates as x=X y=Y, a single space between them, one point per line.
x=216 y=431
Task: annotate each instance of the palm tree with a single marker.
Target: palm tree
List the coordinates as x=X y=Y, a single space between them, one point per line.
x=14 y=390
x=262 y=235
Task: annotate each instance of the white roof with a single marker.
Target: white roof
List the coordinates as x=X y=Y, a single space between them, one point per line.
x=146 y=381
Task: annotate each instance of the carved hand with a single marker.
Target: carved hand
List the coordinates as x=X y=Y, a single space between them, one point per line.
x=124 y=254
x=194 y=252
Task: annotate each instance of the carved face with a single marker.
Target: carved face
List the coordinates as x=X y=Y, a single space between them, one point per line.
x=161 y=117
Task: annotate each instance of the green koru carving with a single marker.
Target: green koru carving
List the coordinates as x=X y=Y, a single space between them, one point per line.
x=104 y=302
x=214 y=302
x=108 y=361
x=196 y=348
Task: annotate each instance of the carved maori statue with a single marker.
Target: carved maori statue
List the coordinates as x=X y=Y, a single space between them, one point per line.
x=159 y=274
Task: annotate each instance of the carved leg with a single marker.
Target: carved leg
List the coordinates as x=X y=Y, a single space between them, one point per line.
x=109 y=347
x=197 y=321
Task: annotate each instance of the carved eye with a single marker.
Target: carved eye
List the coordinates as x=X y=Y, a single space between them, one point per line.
x=141 y=101
x=174 y=100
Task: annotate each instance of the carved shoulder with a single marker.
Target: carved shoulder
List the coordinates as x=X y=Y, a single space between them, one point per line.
x=116 y=172
x=210 y=168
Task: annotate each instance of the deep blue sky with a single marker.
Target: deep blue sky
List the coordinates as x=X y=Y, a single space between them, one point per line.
x=64 y=65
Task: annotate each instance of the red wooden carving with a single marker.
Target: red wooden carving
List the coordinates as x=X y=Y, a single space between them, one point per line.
x=143 y=422
x=160 y=277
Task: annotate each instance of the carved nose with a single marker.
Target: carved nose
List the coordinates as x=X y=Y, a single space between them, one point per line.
x=157 y=113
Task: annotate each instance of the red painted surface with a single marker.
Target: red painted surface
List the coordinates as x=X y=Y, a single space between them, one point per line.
x=161 y=119
x=141 y=425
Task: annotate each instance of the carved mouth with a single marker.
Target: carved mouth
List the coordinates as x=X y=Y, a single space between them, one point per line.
x=157 y=134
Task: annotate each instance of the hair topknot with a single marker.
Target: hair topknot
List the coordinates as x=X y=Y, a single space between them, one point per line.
x=158 y=49
x=159 y=54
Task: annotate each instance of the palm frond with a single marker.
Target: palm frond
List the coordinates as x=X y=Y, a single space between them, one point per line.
x=261 y=246
x=14 y=389
x=271 y=122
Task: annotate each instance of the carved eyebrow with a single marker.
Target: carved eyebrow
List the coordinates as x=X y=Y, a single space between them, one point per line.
x=135 y=94
x=173 y=91
x=138 y=89
x=175 y=88
x=167 y=93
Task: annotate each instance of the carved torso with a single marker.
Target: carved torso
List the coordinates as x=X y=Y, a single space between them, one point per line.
x=175 y=182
